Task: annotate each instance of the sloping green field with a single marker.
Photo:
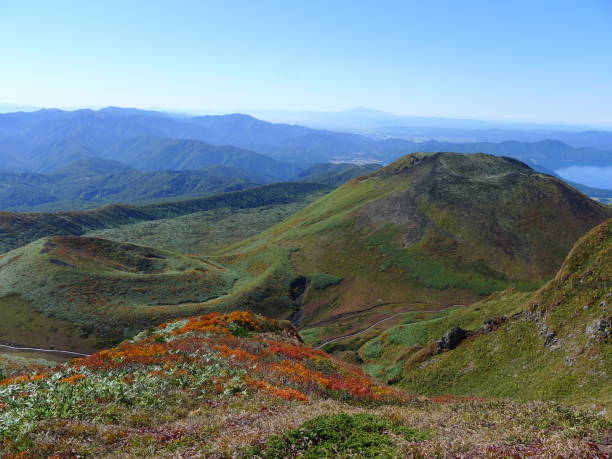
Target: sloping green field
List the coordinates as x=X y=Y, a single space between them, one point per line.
x=550 y=344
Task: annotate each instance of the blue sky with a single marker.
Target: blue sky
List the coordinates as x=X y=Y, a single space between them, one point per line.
x=534 y=60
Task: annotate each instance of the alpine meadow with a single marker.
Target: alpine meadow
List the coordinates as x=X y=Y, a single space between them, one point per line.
x=211 y=247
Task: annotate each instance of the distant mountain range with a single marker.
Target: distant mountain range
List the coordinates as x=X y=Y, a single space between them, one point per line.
x=367 y=118
x=91 y=182
x=92 y=157
x=22 y=135
x=153 y=154
x=418 y=128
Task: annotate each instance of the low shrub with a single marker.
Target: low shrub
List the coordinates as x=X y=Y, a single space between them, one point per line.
x=339 y=435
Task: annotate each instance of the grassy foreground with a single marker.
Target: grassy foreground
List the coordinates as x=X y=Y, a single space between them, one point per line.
x=241 y=385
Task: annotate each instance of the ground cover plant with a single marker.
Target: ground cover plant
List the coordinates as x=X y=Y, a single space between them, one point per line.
x=338 y=435
x=91 y=293
x=197 y=358
x=241 y=385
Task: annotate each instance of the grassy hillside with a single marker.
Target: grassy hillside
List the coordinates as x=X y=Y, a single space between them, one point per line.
x=243 y=386
x=17 y=229
x=84 y=292
x=423 y=234
x=550 y=344
x=207 y=231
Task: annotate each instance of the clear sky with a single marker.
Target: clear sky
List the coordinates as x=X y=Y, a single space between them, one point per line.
x=541 y=60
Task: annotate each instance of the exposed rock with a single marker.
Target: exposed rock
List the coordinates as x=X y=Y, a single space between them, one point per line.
x=451 y=339
x=599 y=330
x=585 y=275
x=491 y=325
x=550 y=338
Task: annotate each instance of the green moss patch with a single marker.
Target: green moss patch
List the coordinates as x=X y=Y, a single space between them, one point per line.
x=321 y=281
x=340 y=435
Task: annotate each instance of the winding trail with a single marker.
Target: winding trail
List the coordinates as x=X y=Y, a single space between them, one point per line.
x=359 y=332
x=37 y=349
x=349 y=314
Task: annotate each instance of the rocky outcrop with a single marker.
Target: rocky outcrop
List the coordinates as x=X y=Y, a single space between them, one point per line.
x=451 y=339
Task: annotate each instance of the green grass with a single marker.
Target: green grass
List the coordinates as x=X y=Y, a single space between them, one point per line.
x=399 y=343
x=187 y=391
x=373 y=349
x=20 y=323
x=97 y=292
x=340 y=435
x=21 y=229
x=409 y=334
x=321 y=281
x=310 y=335
x=438 y=229
x=433 y=272
x=515 y=360
x=203 y=232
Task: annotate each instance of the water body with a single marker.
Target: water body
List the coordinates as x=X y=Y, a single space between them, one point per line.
x=598 y=177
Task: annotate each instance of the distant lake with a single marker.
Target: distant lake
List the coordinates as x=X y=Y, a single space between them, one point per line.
x=598 y=177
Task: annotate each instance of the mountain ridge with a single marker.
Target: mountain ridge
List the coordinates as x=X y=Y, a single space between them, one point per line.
x=101 y=130
x=423 y=233
x=19 y=229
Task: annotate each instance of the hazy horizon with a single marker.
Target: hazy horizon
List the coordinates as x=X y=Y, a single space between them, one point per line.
x=547 y=62
x=7 y=107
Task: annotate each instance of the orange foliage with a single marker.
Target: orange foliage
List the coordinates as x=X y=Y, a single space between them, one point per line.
x=144 y=353
x=295 y=352
x=22 y=378
x=73 y=379
x=15 y=380
x=286 y=370
x=219 y=323
x=21 y=455
x=236 y=353
x=286 y=394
